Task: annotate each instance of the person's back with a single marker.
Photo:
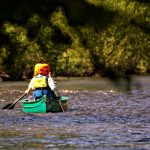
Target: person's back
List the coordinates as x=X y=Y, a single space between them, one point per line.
x=40 y=86
x=42 y=83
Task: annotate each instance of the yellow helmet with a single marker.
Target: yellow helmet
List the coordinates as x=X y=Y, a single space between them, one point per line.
x=40 y=68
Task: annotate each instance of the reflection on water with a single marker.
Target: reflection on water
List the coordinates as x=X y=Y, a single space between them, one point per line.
x=100 y=117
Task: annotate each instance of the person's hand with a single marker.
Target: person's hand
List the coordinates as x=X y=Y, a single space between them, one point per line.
x=27 y=91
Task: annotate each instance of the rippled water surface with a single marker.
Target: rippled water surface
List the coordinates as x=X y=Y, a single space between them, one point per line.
x=100 y=117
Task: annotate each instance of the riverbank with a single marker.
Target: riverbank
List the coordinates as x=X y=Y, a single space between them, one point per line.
x=88 y=83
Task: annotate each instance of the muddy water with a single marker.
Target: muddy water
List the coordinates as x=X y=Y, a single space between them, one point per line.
x=100 y=117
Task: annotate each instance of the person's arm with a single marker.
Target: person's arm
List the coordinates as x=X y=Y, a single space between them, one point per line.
x=56 y=92
x=53 y=86
x=30 y=86
x=28 y=90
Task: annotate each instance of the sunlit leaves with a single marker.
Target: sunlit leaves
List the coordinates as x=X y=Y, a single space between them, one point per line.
x=60 y=21
x=16 y=34
x=75 y=62
x=78 y=36
x=3 y=55
x=34 y=20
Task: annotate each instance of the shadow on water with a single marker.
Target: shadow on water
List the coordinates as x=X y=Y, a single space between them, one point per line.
x=99 y=117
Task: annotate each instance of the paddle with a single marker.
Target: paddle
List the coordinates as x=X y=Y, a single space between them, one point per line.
x=12 y=105
x=61 y=105
x=57 y=98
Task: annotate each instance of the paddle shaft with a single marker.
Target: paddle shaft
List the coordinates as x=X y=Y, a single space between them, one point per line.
x=61 y=106
x=16 y=100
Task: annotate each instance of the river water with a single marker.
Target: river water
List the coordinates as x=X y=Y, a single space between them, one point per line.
x=101 y=116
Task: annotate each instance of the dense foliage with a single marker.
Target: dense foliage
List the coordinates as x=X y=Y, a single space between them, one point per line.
x=80 y=37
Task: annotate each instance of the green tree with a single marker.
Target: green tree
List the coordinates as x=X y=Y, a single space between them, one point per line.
x=79 y=37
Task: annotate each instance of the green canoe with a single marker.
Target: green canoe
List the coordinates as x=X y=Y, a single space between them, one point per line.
x=44 y=105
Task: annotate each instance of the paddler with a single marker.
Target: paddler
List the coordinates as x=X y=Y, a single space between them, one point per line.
x=42 y=83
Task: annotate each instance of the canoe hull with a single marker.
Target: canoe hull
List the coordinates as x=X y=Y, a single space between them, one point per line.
x=44 y=105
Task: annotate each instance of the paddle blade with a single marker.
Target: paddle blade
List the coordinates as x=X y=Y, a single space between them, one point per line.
x=9 y=106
